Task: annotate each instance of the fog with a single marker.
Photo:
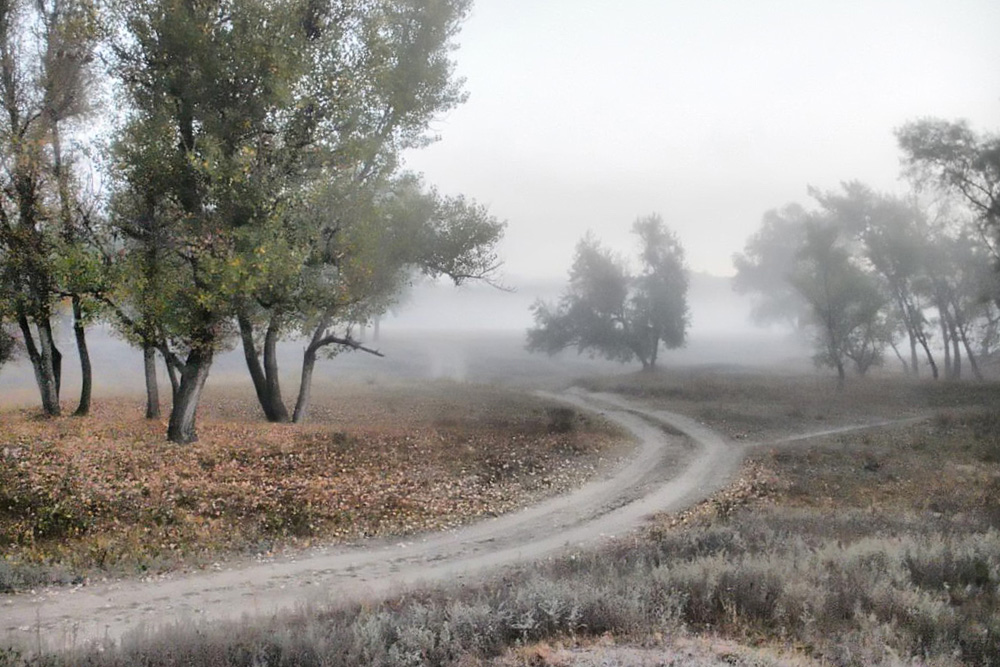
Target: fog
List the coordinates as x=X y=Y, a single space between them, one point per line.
x=584 y=115
x=473 y=333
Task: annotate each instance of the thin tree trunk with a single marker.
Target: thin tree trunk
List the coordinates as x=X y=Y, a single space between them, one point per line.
x=86 y=370
x=271 y=372
x=905 y=313
x=319 y=339
x=253 y=365
x=956 y=357
x=265 y=378
x=152 y=389
x=973 y=364
x=169 y=361
x=949 y=370
x=927 y=351
x=40 y=356
x=305 y=385
x=895 y=349
x=181 y=428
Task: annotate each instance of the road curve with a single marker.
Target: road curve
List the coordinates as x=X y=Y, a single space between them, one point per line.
x=666 y=472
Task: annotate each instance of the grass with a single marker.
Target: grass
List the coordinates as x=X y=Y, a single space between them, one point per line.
x=108 y=495
x=875 y=547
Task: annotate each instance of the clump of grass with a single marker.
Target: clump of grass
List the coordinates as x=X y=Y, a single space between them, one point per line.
x=768 y=574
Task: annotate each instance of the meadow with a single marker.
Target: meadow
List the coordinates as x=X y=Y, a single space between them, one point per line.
x=874 y=546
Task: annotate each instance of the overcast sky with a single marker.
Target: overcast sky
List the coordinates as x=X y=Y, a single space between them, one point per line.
x=584 y=114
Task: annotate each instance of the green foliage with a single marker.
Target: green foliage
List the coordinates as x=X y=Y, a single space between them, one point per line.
x=252 y=170
x=608 y=311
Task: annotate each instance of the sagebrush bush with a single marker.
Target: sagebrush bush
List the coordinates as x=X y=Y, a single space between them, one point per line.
x=922 y=592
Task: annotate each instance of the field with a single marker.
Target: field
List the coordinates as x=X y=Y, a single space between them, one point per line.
x=872 y=546
x=107 y=496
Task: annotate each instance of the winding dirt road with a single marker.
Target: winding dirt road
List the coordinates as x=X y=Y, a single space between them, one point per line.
x=666 y=472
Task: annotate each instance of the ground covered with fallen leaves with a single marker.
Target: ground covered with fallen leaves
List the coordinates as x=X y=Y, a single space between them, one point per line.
x=108 y=494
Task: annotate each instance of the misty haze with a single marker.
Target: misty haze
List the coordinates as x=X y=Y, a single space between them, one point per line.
x=442 y=332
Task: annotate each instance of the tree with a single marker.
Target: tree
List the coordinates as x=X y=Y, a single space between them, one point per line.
x=245 y=115
x=892 y=236
x=955 y=158
x=45 y=52
x=808 y=267
x=608 y=311
x=845 y=303
x=358 y=274
x=764 y=266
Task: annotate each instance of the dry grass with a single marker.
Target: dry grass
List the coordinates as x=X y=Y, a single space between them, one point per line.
x=875 y=548
x=108 y=493
x=759 y=406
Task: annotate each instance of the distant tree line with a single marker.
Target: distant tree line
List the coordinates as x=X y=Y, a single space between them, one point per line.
x=250 y=181
x=867 y=272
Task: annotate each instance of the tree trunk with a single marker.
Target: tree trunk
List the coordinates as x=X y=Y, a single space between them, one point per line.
x=841 y=374
x=956 y=350
x=319 y=339
x=173 y=365
x=271 y=372
x=86 y=371
x=265 y=378
x=973 y=364
x=305 y=385
x=253 y=365
x=44 y=362
x=949 y=370
x=895 y=349
x=927 y=351
x=905 y=313
x=152 y=389
x=181 y=428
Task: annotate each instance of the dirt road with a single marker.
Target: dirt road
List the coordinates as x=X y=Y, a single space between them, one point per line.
x=667 y=471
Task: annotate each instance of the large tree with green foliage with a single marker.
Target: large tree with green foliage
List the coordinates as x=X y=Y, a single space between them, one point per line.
x=609 y=311
x=354 y=273
x=258 y=134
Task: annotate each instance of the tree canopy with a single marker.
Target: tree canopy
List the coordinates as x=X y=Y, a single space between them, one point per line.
x=610 y=311
x=253 y=180
x=863 y=270
x=255 y=172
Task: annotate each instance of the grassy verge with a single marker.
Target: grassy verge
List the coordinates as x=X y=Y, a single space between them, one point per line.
x=107 y=495
x=878 y=547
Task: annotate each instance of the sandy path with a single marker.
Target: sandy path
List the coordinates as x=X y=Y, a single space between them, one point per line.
x=665 y=472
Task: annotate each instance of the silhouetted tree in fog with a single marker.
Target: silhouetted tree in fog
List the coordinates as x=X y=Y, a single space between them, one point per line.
x=608 y=311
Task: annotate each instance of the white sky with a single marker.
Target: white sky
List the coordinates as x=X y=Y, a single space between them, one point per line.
x=585 y=114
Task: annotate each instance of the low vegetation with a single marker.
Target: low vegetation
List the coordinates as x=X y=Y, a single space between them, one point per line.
x=879 y=546
x=107 y=495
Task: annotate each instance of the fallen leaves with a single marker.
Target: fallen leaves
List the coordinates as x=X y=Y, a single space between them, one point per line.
x=108 y=491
